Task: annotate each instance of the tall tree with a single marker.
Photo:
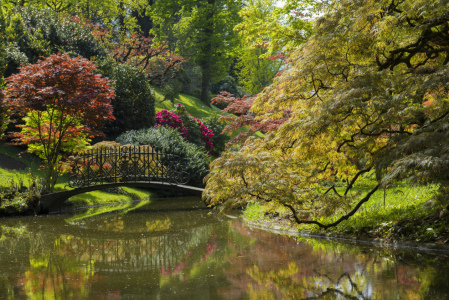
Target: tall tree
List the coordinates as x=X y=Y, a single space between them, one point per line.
x=63 y=102
x=202 y=31
x=269 y=30
x=378 y=103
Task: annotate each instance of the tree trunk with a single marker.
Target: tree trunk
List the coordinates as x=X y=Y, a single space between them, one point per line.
x=144 y=21
x=205 y=84
x=207 y=53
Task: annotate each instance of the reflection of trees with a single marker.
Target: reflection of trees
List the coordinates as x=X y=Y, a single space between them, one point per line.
x=320 y=269
x=63 y=265
x=286 y=284
x=84 y=259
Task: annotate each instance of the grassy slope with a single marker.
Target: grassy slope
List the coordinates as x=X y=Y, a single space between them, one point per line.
x=193 y=105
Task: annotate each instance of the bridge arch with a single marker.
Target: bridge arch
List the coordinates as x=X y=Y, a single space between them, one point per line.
x=55 y=201
x=133 y=166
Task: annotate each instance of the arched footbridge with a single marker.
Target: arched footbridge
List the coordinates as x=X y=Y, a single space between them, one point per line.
x=133 y=166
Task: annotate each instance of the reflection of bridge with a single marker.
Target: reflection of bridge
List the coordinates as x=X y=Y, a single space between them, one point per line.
x=125 y=251
x=110 y=167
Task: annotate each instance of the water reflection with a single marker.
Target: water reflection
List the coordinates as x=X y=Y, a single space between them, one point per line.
x=164 y=252
x=320 y=269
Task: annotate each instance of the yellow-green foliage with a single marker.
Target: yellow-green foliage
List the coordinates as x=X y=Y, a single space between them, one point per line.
x=367 y=105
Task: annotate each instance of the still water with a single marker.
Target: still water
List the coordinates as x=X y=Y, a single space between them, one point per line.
x=176 y=249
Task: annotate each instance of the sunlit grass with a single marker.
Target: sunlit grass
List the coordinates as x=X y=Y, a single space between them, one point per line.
x=193 y=106
x=385 y=207
x=31 y=163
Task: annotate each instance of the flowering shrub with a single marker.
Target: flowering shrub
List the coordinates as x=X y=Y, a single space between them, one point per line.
x=191 y=128
x=206 y=135
x=172 y=120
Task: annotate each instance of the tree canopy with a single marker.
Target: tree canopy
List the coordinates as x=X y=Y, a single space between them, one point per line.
x=201 y=31
x=64 y=103
x=268 y=33
x=368 y=93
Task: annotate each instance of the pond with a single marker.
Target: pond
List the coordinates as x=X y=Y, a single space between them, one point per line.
x=177 y=249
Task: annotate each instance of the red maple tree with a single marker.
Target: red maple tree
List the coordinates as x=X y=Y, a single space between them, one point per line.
x=63 y=103
x=140 y=51
x=240 y=116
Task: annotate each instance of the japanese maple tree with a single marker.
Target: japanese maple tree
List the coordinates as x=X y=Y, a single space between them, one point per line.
x=369 y=96
x=241 y=116
x=140 y=51
x=63 y=103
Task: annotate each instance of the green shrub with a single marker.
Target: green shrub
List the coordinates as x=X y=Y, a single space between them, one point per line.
x=134 y=100
x=35 y=32
x=193 y=159
x=63 y=33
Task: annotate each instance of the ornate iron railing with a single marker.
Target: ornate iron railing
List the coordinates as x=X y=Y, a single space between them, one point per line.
x=126 y=164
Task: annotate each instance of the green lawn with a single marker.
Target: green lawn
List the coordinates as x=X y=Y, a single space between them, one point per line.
x=379 y=216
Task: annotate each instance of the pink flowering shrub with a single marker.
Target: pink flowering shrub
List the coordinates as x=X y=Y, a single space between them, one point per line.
x=206 y=135
x=166 y=118
x=191 y=128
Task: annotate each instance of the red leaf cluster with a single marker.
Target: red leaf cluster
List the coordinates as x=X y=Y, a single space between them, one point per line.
x=243 y=118
x=156 y=59
x=66 y=84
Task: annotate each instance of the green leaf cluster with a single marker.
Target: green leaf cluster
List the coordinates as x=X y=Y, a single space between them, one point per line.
x=134 y=102
x=32 y=32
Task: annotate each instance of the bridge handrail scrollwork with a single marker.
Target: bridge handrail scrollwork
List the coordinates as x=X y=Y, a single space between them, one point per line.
x=127 y=164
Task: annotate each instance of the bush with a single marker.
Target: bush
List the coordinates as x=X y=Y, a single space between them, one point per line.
x=193 y=159
x=219 y=139
x=134 y=99
x=64 y=34
x=172 y=120
x=191 y=128
x=35 y=32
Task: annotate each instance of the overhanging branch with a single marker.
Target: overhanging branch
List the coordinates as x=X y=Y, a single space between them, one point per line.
x=341 y=219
